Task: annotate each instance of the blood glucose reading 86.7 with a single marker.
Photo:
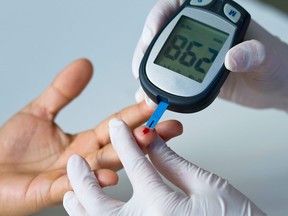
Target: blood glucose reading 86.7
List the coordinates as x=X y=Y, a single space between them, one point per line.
x=191 y=48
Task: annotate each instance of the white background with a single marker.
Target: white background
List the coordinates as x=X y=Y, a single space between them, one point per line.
x=37 y=39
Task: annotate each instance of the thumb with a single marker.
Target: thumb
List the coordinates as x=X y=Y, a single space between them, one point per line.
x=185 y=175
x=67 y=85
x=245 y=57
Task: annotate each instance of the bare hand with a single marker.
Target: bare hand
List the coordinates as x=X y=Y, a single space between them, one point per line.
x=34 y=150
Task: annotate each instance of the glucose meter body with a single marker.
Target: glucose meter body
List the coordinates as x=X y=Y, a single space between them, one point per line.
x=184 y=64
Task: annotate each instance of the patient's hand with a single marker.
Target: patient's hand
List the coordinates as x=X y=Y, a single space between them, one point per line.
x=34 y=149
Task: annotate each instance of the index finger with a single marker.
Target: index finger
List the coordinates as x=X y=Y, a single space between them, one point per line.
x=134 y=116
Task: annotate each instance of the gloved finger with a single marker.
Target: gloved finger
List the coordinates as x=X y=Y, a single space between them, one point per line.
x=143 y=176
x=108 y=158
x=255 y=53
x=139 y=95
x=87 y=189
x=66 y=86
x=185 y=175
x=246 y=57
x=162 y=10
x=72 y=206
x=150 y=103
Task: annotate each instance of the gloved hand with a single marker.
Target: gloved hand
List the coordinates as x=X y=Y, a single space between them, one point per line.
x=260 y=63
x=203 y=192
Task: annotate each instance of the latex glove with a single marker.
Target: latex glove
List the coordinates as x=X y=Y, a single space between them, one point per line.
x=203 y=192
x=260 y=63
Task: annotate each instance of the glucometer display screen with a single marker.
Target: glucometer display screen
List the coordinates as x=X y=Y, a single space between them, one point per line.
x=191 y=48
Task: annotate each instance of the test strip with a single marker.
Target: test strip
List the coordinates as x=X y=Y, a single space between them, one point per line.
x=152 y=122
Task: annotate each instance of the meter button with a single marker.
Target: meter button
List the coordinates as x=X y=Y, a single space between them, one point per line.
x=200 y=2
x=232 y=13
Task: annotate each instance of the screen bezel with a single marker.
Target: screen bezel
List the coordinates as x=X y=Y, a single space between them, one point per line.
x=178 y=84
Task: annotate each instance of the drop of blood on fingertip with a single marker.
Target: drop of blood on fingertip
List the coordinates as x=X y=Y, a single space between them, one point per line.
x=146 y=130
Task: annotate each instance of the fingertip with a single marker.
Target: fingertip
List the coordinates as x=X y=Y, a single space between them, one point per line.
x=246 y=56
x=79 y=71
x=124 y=142
x=74 y=161
x=149 y=102
x=230 y=63
x=106 y=177
x=146 y=109
x=166 y=130
x=236 y=59
x=144 y=136
x=115 y=123
x=169 y=129
x=139 y=95
x=85 y=63
x=68 y=201
x=77 y=166
x=72 y=205
x=68 y=196
x=119 y=131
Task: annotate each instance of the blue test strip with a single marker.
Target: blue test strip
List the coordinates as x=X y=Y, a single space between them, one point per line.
x=152 y=122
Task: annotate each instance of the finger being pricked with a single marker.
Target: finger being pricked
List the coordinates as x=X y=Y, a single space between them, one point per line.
x=166 y=130
x=107 y=156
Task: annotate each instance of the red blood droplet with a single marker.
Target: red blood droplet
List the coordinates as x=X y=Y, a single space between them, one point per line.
x=146 y=130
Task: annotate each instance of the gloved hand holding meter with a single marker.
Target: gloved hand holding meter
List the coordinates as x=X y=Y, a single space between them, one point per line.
x=182 y=69
x=258 y=65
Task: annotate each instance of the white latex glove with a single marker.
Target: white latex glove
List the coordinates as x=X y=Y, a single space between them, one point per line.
x=203 y=192
x=260 y=63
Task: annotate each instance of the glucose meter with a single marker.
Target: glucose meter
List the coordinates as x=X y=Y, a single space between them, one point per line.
x=184 y=64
